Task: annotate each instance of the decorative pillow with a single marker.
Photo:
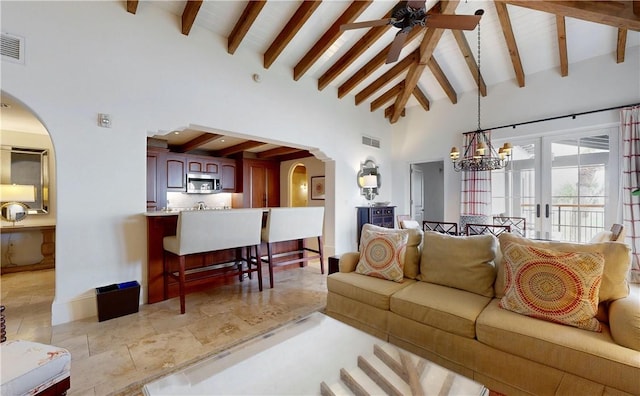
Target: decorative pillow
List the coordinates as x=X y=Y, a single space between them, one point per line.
x=412 y=252
x=463 y=262
x=382 y=254
x=617 y=261
x=559 y=287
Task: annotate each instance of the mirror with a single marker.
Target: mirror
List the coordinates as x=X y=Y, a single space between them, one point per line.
x=369 y=179
x=27 y=166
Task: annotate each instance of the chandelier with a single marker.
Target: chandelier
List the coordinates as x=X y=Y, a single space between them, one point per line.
x=479 y=154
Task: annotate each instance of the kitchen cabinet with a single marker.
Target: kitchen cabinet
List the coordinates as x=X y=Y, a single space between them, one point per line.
x=175 y=167
x=196 y=163
x=152 y=180
x=228 y=175
x=260 y=183
x=381 y=216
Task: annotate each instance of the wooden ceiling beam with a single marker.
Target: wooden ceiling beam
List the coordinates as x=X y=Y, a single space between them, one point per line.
x=621 y=46
x=238 y=148
x=562 y=45
x=295 y=156
x=132 y=6
x=378 y=60
x=197 y=142
x=385 y=78
x=388 y=112
x=442 y=80
x=507 y=31
x=463 y=44
x=619 y=14
x=249 y=15
x=299 y=18
x=354 y=52
x=387 y=96
x=427 y=46
x=421 y=98
x=278 y=151
x=189 y=15
x=389 y=75
x=329 y=37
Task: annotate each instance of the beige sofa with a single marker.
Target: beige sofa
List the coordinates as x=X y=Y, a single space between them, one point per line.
x=447 y=308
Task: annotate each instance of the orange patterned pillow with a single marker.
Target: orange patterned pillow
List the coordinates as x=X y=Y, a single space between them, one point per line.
x=382 y=254
x=556 y=286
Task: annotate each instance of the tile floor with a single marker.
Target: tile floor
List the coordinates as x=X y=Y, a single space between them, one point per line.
x=120 y=355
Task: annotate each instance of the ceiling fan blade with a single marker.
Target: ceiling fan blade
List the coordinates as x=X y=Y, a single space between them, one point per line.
x=358 y=25
x=416 y=3
x=396 y=47
x=456 y=22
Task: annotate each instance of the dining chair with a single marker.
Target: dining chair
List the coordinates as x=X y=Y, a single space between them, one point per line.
x=518 y=224
x=481 y=229
x=443 y=227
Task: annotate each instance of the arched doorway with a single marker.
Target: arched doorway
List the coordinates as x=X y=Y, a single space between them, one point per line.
x=298 y=186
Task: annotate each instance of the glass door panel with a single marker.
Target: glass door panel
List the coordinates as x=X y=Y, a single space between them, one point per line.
x=561 y=185
x=578 y=192
x=514 y=188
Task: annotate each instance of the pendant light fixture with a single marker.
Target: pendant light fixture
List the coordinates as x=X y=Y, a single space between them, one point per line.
x=479 y=154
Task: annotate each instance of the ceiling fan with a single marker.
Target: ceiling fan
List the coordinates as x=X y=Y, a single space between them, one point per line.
x=408 y=14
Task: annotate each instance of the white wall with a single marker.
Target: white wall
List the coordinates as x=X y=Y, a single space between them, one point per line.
x=85 y=58
x=428 y=136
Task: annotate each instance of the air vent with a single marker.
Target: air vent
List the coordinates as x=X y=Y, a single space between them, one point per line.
x=369 y=141
x=12 y=48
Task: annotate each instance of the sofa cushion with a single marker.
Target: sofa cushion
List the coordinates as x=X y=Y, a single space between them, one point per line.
x=617 y=261
x=382 y=254
x=463 y=262
x=442 y=307
x=556 y=286
x=366 y=289
x=624 y=319
x=412 y=251
x=587 y=354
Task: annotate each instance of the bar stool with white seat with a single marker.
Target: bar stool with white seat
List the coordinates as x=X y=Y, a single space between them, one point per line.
x=207 y=231
x=290 y=224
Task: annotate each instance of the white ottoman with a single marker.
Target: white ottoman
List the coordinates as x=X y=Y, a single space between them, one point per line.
x=29 y=368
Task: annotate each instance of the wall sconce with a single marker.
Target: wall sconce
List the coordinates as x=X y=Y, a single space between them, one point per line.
x=369 y=179
x=14 y=196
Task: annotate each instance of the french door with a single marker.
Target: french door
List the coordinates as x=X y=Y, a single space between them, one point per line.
x=565 y=186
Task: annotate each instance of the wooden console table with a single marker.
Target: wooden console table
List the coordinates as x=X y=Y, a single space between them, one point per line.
x=47 y=248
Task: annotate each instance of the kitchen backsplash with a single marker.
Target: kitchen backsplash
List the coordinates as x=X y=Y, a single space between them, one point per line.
x=178 y=200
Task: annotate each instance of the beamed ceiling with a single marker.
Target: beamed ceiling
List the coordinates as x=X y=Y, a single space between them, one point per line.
x=518 y=38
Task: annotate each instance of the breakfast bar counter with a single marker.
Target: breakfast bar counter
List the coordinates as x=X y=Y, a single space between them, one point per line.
x=164 y=223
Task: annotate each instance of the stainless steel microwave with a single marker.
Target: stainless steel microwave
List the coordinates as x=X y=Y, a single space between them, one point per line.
x=203 y=183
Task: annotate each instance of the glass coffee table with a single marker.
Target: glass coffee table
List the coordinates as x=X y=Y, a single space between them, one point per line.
x=314 y=355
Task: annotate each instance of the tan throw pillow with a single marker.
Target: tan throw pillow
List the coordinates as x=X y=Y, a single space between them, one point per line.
x=463 y=262
x=617 y=261
x=382 y=254
x=407 y=224
x=559 y=287
x=412 y=253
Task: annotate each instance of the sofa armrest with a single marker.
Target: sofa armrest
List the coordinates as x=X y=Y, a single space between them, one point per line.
x=624 y=319
x=349 y=261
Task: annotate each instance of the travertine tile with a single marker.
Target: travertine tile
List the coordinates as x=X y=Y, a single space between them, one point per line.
x=120 y=355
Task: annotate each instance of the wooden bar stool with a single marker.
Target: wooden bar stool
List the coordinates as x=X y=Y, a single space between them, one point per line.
x=208 y=231
x=291 y=224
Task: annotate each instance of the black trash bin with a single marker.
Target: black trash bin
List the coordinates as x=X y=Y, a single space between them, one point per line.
x=117 y=300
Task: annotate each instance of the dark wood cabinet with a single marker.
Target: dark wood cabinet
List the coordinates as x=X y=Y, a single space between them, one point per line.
x=382 y=216
x=175 y=165
x=203 y=164
x=167 y=171
x=228 y=175
x=260 y=183
x=152 y=181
